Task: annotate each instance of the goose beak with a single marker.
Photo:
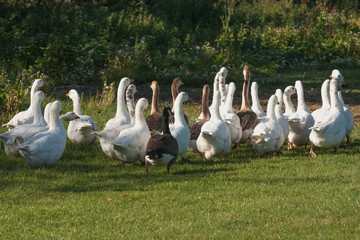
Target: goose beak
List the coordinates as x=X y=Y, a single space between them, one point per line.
x=131 y=80
x=67 y=94
x=45 y=83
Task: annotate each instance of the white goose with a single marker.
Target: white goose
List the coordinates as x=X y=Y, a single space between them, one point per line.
x=122 y=115
x=180 y=130
x=215 y=135
x=27 y=116
x=325 y=98
x=38 y=121
x=81 y=130
x=289 y=106
x=230 y=118
x=131 y=143
x=115 y=125
x=256 y=107
x=45 y=148
x=268 y=135
x=301 y=121
x=279 y=114
x=330 y=130
x=349 y=118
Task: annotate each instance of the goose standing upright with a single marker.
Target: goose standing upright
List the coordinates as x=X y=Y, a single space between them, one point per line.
x=38 y=121
x=195 y=129
x=154 y=120
x=27 y=116
x=81 y=130
x=289 y=106
x=268 y=135
x=45 y=148
x=115 y=125
x=325 y=98
x=215 y=134
x=230 y=118
x=122 y=115
x=130 y=145
x=180 y=130
x=279 y=114
x=330 y=130
x=256 y=107
x=349 y=118
x=162 y=149
x=248 y=119
x=301 y=121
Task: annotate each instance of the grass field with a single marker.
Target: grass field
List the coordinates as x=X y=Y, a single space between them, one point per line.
x=87 y=195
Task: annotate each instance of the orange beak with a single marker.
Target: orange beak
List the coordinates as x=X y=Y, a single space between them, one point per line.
x=67 y=94
x=131 y=80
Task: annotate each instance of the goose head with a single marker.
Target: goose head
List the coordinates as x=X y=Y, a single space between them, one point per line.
x=289 y=90
x=183 y=96
x=224 y=71
x=130 y=91
x=124 y=82
x=246 y=73
x=279 y=95
x=154 y=85
x=73 y=94
x=39 y=83
x=142 y=104
x=39 y=96
x=177 y=82
x=336 y=75
x=55 y=108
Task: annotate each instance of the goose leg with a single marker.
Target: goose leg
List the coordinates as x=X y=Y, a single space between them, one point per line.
x=335 y=149
x=146 y=166
x=347 y=139
x=289 y=144
x=186 y=160
x=278 y=151
x=249 y=142
x=312 y=153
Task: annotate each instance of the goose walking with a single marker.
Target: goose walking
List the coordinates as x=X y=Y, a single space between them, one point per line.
x=162 y=149
x=330 y=131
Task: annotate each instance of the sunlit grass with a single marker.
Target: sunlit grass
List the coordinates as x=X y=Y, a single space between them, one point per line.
x=87 y=195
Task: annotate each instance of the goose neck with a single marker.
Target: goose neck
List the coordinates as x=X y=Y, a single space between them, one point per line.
x=77 y=105
x=38 y=117
x=255 y=98
x=245 y=104
x=289 y=106
x=165 y=124
x=301 y=97
x=215 y=111
x=229 y=101
x=205 y=103
x=271 y=108
x=325 y=98
x=139 y=117
x=121 y=110
x=155 y=100
x=131 y=106
x=335 y=101
x=178 y=113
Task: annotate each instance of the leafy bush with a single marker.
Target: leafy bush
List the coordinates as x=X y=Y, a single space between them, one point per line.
x=84 y=43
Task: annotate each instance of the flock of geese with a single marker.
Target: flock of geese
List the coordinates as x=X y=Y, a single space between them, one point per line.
x=161 y=137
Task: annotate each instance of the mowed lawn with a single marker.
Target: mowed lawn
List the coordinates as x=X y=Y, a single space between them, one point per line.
x=87 y=195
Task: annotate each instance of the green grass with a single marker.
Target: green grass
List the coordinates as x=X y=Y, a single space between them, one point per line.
x=86 y=195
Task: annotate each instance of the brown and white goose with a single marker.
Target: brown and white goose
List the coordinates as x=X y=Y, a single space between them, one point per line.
x=195 y=129
x=162 y=149
x=154 y=120
x=248 y=118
